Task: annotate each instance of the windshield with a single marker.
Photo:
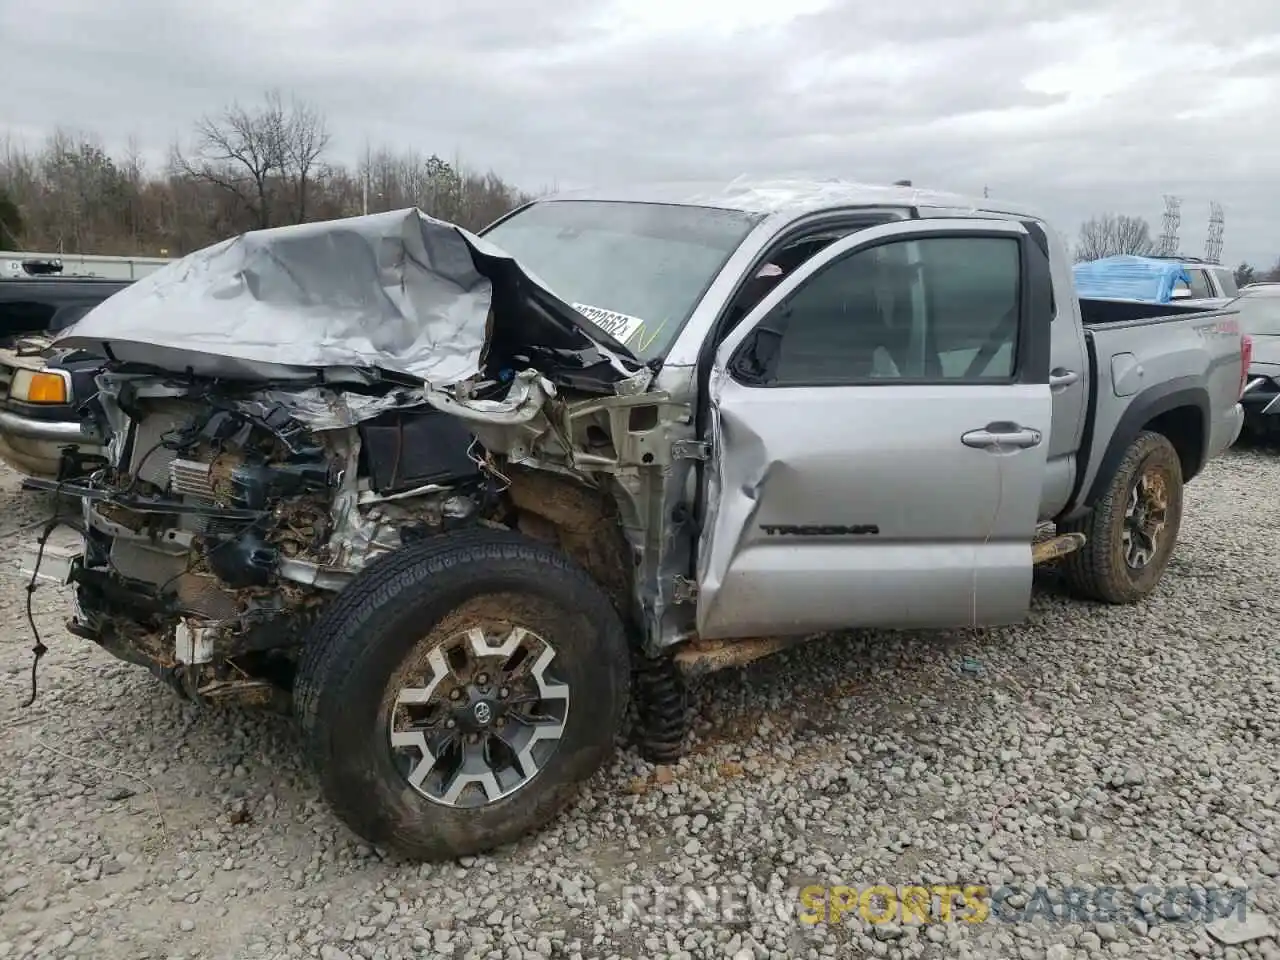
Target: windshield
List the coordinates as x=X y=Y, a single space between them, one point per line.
x=635 y=269
x=1259 y=316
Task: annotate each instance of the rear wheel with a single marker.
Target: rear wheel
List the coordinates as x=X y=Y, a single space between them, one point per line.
x=458 y=693
x=1133 y=528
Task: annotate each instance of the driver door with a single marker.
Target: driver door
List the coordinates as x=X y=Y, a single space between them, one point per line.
x=879 y=428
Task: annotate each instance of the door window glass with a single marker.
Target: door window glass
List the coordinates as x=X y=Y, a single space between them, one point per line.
x=942 y=309
x=1227 y=283
x=1200 y=288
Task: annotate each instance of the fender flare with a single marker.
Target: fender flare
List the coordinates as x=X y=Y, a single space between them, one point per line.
x=1146 y=406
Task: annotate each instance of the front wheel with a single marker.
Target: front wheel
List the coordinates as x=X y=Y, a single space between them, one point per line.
x=1133 y=528
x=457 y=694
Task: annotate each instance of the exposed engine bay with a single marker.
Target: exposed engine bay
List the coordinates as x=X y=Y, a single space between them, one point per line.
x=227 y=522
x=281 y=409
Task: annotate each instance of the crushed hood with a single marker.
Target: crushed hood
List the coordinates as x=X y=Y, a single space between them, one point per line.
x=397 y=292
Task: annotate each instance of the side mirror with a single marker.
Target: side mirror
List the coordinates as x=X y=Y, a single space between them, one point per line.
x=1180 y=293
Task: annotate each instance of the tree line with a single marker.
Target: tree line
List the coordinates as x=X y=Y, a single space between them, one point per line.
x=246 y=167
x=1110 y=234
x=268 y=164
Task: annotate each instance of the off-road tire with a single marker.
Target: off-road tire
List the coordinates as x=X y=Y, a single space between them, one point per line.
x=1098 y=570
x=353 y=652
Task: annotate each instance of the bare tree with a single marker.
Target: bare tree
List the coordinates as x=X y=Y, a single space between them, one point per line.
x=250 y=167
x=306 y=136
x=87 y=192
x=266 y=157
x=241 y=152
x=1113 y=234
x=10 y=223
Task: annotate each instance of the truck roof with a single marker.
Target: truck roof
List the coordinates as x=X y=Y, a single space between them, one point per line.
x=790 y=197
x=1177 y=258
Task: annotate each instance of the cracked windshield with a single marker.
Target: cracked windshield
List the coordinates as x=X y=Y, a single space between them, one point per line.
x=635 y=269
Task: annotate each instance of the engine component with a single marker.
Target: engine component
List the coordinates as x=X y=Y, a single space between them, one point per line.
x=191 y=478
x=665 y=711
x=242 y=561
x=405 y=449
x=226 y=524
x=255 y=486
x=139 y=559
x=201 y=594
x=151 y=454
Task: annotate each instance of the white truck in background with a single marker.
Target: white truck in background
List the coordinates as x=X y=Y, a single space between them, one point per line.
x=1212 y=285
x=15 y=264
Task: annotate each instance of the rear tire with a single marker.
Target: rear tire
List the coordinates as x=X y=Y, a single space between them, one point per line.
x=411 y=648
x=1132 y=529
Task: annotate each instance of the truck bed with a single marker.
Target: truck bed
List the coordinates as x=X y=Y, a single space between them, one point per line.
x=1095 y=311
x=1184 y=376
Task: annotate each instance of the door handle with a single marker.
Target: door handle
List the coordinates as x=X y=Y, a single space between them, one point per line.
x=1059 y=378
x=999 y=437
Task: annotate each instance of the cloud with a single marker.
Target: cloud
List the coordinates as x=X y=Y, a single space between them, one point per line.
x=1082 y=108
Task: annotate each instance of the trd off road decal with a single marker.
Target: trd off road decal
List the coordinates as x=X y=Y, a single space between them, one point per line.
x=620 y=326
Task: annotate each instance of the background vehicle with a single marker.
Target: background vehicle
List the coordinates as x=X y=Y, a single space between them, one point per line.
x=803 y=407
x=1259 y=307
x=19 y=264
x=1159 y=279
x=1211 y=284
x=40 y=389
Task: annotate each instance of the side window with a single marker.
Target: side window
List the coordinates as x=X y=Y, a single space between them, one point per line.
x=1200 y=288
x=1227 y=281
x=941 y=309
x=786 y=260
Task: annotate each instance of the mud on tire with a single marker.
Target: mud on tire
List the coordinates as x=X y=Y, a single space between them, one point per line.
x=371 y=655
x=1103 y=569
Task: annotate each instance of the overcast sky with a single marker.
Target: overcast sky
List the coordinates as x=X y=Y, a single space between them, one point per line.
x=1074 y=106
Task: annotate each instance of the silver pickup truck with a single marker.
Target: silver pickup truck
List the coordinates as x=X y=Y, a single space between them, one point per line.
x=454 y=499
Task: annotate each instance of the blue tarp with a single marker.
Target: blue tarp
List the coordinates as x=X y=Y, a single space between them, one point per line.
x=1129 y=278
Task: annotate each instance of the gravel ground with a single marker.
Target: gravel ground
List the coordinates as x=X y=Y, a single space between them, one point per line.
x=1090 y=748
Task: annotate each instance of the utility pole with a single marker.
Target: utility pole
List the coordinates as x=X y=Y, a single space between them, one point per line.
x=365 y=191
x=1168 y=244
x=1213 y=243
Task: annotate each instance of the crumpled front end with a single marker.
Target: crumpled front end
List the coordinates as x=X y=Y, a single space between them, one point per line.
x=250 y=476
x=228 y=518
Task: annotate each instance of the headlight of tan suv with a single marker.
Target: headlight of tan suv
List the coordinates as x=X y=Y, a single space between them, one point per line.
x=37 y=386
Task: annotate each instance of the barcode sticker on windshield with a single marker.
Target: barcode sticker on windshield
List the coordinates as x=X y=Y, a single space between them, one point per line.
x=620 y=326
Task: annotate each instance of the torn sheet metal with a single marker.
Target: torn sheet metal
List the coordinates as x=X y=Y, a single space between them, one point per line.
x=398 y=291
x=322 y=409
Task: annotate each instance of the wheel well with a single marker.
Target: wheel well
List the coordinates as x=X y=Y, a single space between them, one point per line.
x=1184 y=428
x=581 y=521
